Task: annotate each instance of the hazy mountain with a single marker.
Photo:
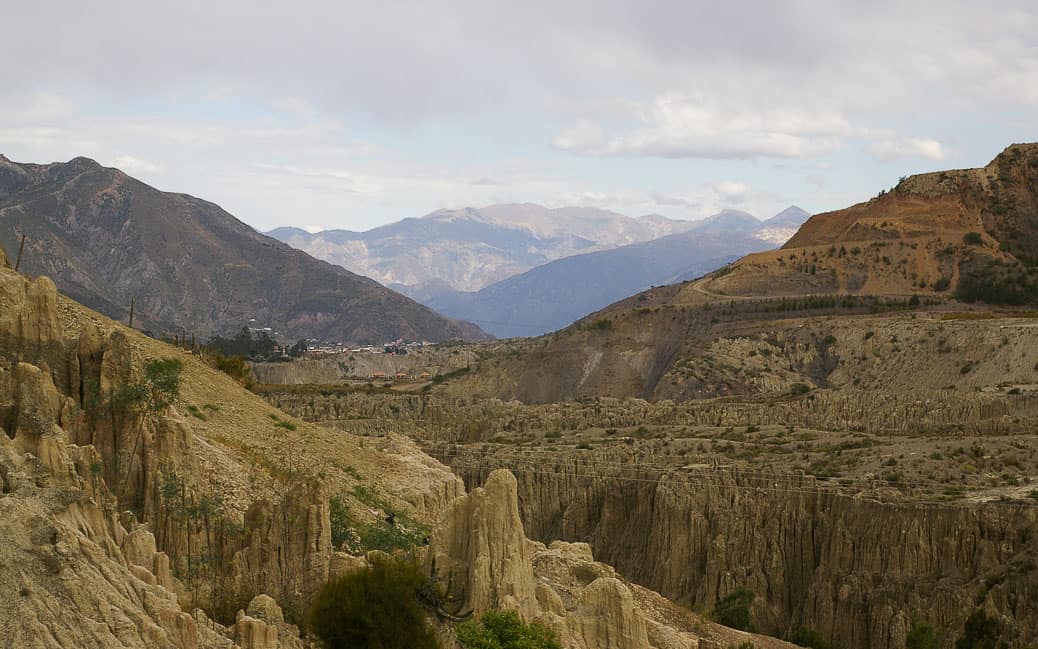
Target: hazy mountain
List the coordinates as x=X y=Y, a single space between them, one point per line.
x=781 y=227
x=468 y=249
x=105 y=238
x=554 y=295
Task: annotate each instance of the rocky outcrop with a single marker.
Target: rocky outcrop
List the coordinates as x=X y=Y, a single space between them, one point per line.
x=479 y=554
x=288 y=547
x=262 y=626
x=481 y=559
x=857 y=571
x=75 y=576
x=110 y=524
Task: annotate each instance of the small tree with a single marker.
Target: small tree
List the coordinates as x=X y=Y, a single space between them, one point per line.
x=159 y=390
x=375 y=608
x=505 y=630
x=981 y=632
x=733 y=610
x=921 y=636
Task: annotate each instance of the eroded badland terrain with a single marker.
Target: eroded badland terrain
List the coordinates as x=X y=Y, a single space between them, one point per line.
x=838 y=429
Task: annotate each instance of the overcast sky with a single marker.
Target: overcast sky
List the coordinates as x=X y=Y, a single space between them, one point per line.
x=345 y=114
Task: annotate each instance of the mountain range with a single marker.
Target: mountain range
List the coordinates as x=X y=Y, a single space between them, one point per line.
x=555 y=294
x=536 y=269
x=467 y=249
x=106 y=239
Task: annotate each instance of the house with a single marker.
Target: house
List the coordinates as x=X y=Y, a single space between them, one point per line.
x=403 y=375
x=378 y=375
x=425 y=376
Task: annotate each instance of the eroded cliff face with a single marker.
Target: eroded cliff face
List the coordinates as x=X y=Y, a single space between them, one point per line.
x=857 y=571
x=120 y=521
x=481 y=559
x=78 y=573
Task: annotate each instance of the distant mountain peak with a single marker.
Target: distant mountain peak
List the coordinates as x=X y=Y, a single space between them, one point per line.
x=83 y=162
x=728 y=220
x=470 y=248
x=793 y=216
x=201 y=269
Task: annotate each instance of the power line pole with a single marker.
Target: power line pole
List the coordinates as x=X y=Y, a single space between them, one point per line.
x=18 y=262
x=132 y=303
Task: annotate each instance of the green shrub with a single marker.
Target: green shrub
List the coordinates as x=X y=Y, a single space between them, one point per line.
x=375 y=608
x=809 y=638
x=505 y=630
x=341 y=519
x=980 y=632
x=234 y=367
x=404 y=534
x=798 y=389
x=972 y=239
x=921 y=636
x=733 y=610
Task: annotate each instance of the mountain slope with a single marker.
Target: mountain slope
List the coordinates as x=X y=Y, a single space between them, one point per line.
x=554 y=295
x=468 y=249
x=105 y=238
x=971 y=233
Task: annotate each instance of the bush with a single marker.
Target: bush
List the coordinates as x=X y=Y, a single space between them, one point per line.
x=798 y=389
x=809 y=638
x=341 y=520
x=921 y=636
x=980 y=632
x=376 y=608
x=733 y=610
x=505 y=630
x=234 y=367
x=972 y=239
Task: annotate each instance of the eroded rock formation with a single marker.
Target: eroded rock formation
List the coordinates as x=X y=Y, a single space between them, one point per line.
x=857 y=571
x=482 y=560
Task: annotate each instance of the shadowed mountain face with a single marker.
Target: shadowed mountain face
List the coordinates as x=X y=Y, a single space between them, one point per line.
x=105 y=238
x=554 y=295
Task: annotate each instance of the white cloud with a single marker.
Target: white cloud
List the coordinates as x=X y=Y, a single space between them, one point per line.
x=900 y=149
x=135 y=166
x=667 y=200
x=677 y=126
x=731 y=189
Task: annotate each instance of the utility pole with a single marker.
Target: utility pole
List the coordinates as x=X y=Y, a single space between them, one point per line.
x=132 y=304
x=21 y=247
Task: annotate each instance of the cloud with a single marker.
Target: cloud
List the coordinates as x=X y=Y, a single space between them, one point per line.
x=416 y=102
x=731 y=188
x=900 y=149
x=673 y=201
x=676 y=126
x=135 y=166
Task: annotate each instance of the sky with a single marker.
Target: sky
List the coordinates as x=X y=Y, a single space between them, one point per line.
x=345 y=114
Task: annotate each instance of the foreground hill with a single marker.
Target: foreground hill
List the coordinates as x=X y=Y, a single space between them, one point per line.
x=468 y=249
x=106 y=238
x=970 y=233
